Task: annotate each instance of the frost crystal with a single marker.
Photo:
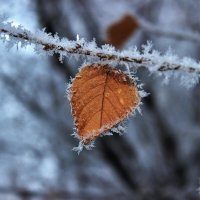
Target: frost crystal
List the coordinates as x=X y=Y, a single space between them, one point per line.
x=80 y=147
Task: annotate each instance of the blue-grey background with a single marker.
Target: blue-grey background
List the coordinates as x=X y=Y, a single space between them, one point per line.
x=159 y=156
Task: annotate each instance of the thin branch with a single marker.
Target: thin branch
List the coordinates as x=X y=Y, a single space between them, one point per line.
x=153 y=60
x=31 y=104
x=176 y=34
x=62 y=194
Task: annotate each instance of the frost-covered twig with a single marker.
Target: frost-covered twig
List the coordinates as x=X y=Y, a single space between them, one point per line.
x=153 y=60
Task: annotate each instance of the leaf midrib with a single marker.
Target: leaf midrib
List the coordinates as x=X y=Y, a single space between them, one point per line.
x=103 y=99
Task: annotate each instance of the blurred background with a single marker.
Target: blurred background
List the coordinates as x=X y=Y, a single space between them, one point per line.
x=159 y=156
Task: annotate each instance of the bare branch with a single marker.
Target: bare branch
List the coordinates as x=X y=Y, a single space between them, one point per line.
x=176 y=34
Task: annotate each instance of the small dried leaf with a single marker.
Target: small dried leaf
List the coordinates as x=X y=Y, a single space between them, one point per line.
x=120 y=31
x=101 y=97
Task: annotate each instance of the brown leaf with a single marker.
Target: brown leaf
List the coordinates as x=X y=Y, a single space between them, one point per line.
x=101 y=97
x=119 y=32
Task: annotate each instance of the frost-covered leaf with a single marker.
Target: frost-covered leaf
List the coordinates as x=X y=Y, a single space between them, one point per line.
x=101 y=97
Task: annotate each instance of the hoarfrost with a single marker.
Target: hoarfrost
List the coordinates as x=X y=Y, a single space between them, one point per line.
x=154 y=61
